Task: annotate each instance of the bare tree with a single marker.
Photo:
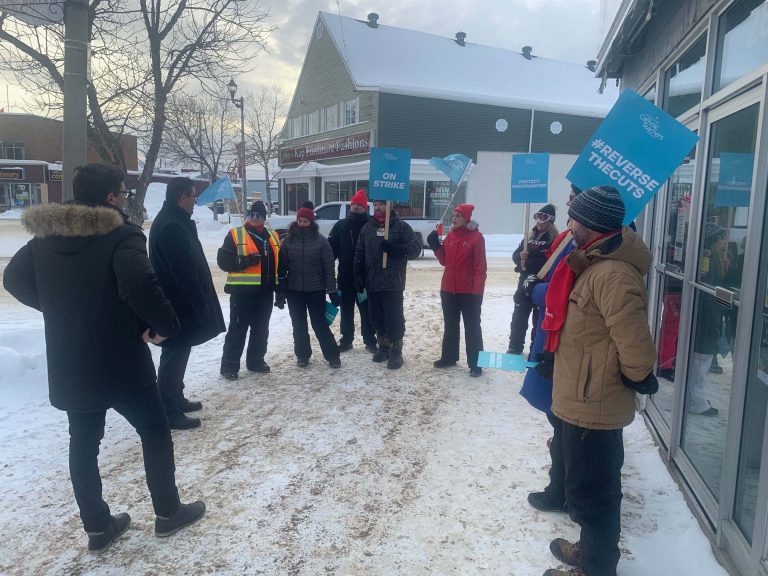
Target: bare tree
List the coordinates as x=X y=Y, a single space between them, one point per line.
x=265 y=117
x=142 y=52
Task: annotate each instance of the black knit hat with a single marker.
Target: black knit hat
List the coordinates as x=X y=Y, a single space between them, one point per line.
x=549 y=209
x=600 y=209
x=258 y=207
x=575 y=190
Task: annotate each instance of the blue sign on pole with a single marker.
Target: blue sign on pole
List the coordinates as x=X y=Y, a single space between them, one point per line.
x=735 y=182
x=530 y=174
x=454 y=166
x=390 y=174
x=219 y=190
x=635 y=149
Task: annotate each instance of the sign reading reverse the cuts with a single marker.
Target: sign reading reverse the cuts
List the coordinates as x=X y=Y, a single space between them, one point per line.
x=390 y=174
x=530 y=173
x=635 y=149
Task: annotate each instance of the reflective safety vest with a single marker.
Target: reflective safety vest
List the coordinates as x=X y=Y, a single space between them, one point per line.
x=246 y=246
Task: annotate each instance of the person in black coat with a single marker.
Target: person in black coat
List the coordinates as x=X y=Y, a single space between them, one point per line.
x=385 y=286
x=87 y=271
x=343 y=240
x=529 y=260
x=250 y=255
x=178 y=258
x=306 y=274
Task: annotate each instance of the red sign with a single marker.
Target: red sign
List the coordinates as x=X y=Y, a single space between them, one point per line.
x=331 y=148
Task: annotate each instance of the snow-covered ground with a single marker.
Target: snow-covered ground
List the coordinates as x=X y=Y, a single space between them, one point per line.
x=315 y=471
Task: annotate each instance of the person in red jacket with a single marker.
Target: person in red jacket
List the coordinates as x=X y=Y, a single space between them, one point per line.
x=461 y=291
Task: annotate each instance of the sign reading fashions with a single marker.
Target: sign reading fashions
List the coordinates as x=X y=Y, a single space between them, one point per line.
x=454 y=166
x=735 y=181
x=635 y=149
x=390 y=174
x=530 y=173
x=323 y=149
x=11 y=173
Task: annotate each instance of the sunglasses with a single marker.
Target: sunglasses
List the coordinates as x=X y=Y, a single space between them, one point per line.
x=256 y=215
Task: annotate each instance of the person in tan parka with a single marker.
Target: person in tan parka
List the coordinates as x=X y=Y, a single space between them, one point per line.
x=597 y=324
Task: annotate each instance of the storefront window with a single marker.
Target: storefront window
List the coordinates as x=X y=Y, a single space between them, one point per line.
x=414 y=208
x=680 y=188
x=331 y=191
x=5 y=196
x=667 y=344
x=296 y=195
x=685 y=79
x=438 y=198
x=346 y=190
x=742 y=44
x=362 y=185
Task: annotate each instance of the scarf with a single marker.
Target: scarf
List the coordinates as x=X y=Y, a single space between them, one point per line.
x=379 y=218
x=557 y=298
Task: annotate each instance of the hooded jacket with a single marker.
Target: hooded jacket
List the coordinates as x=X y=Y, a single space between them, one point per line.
x=463 y=255
x=306 y=261
x=87 y=271
x=605 y=334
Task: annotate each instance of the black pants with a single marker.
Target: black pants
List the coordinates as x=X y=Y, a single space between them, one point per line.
x=347 y=311
x=313 y=303
x=593 y=461
x=170 y=377
x=469 y=307
x=247 y=311
x=555 y=491
x=145 y=413
x=520 y=315
x=386 y=312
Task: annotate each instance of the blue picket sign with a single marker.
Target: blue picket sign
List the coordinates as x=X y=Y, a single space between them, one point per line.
x=500 y=361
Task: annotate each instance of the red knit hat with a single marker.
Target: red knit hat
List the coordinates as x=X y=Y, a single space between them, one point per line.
x=359 y=199
x=305 y=213
x=465 y=210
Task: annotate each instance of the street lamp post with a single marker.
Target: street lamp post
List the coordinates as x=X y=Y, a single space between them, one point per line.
x=240 y=103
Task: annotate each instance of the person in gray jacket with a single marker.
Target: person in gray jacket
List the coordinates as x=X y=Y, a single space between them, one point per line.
x=385 y=285
x=307 y=272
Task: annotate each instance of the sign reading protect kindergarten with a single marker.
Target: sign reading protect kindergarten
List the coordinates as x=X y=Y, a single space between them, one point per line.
x=635 y=149
x=390 y=174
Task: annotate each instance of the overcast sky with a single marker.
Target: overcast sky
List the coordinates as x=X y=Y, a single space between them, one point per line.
x=570 y=30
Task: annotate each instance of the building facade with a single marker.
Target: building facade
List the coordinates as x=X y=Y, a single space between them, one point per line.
x=706 y=63
x=364 y=84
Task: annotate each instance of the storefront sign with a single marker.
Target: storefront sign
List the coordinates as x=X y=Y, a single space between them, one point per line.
x=332 y=148
x=11 y=173
x=635 y=149
x=735 y=181
x=530 y=173
x=55 y=175
x=390 y=174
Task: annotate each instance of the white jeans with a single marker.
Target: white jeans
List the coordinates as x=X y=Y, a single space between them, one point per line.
x=697 y=372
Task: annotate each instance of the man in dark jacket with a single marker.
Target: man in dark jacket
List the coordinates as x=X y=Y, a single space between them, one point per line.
x=250 y=255
x=178 y=258
x=385 y=285
x=343 y=239
x=87 y=271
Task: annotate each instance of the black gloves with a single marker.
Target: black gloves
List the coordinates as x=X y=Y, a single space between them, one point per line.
x=280 y=300
x=394 y=250
x=244 y=261
x=433 y=240
x=359 y=284
x=546 y=364
x=530 y=283
x=335 y=299
x=648 y=385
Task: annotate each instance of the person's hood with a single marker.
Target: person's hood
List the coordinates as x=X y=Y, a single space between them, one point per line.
x=626 y=246
x=470 y=226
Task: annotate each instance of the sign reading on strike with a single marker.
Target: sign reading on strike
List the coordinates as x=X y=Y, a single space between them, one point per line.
x=635 y=149
x=530 y=173
x=390 y=174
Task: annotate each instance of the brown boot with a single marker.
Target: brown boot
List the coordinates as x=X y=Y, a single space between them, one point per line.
x=395 y=355
x=566 y=552
x=383 y=352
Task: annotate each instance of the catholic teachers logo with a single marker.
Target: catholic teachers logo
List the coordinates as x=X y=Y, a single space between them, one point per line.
x=651 y=126
x=389 y=156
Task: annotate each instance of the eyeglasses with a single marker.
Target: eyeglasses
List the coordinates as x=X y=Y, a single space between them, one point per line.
x=541 y=218
x=128 y=193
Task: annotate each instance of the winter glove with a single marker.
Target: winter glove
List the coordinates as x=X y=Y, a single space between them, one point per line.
x=359 y=284
x=335 y=299
x=648 y=385
x=433 y=240
x=243 y=262
x=546 y=364
x=280 y=300
x=394 y=250
x=530 y=284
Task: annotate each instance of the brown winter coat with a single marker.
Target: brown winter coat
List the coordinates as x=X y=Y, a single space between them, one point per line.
x=605 y=334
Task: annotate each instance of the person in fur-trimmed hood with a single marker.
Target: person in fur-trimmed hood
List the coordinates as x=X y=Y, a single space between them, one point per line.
x=87 y=271
x=461 y=290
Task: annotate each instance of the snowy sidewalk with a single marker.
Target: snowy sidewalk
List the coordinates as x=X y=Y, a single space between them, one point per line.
x=356 y=471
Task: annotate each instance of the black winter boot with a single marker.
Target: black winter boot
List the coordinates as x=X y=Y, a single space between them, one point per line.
x=395 y=360
x=383 y=352
x=98 y=542
x=187 y=514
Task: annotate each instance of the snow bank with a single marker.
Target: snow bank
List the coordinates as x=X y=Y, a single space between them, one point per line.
x=13 y=214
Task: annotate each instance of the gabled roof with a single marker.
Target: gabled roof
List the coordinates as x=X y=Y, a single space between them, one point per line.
x=399 y=61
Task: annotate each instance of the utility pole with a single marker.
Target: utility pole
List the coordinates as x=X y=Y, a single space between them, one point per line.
x=75 y=87
x=240 y=103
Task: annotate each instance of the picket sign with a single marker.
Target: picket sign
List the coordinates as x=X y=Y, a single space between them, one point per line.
x=500 y=361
